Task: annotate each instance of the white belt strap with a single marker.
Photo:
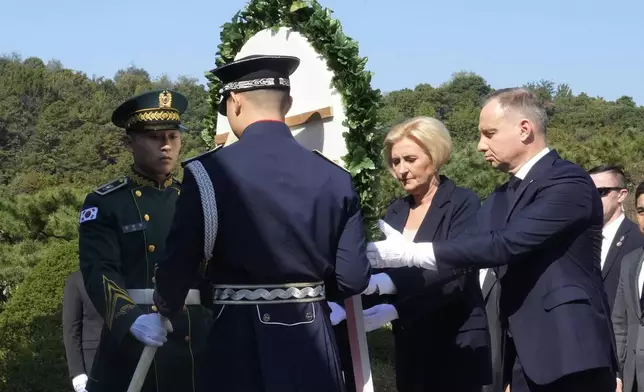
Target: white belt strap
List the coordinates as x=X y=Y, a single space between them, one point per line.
x=208 y=205
x=144 y=297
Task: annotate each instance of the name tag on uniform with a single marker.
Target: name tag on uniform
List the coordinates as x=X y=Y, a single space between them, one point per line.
x=133 y=227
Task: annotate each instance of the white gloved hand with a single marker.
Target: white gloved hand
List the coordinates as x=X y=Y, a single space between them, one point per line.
x=151 y=329
x=395 y=251
x=380 y=284
x=337 y=313
x=79 y=382
x=379 y=315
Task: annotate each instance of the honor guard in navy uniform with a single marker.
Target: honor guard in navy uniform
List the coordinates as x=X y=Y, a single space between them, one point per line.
x=123 y=228
x=289 y=238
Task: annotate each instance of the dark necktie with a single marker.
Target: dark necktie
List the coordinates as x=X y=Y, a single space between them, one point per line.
x=502 y=208
x=513 y=185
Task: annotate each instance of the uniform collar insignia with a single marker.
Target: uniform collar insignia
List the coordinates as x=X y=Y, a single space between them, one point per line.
x=144 y=180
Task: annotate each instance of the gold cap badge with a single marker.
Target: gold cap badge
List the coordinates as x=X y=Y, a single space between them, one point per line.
x=165 y=99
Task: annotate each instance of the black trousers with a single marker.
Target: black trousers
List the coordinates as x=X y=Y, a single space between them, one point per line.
x=592 y=380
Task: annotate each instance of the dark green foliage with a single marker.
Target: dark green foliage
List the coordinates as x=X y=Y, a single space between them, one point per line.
x=32 y=356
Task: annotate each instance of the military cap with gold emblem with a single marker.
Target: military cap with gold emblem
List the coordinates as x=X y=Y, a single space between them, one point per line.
x=253 y=73
x=152 y=110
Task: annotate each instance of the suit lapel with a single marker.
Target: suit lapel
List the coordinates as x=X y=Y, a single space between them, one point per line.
x=635 y=274
x=540 y=168
x=488 y=283
x=400 y=214
x=436 y=213
x=616 y=247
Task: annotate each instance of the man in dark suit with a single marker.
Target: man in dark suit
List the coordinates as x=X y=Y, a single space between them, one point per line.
x=620 y=236
x=542 y=231
x=628 y=317
x=490 y=288
x=82 y=327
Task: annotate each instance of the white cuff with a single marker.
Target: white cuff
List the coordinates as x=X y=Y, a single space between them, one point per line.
x=423 y=255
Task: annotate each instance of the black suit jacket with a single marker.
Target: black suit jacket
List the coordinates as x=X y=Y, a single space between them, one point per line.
x=627 y=239
x=82 y=326
x=546 y=241
x=442 y=327
x=628 y=321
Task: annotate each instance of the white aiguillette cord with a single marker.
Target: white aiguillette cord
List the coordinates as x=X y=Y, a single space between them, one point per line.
x=211 y=225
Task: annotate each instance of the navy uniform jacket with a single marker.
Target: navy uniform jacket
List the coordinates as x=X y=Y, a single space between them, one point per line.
x=122 y=233
x=286 y=215
x=548 y=242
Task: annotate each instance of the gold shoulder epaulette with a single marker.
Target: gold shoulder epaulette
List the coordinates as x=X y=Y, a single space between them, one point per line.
x=200 y=156
x=111 y=186
x=318 y=152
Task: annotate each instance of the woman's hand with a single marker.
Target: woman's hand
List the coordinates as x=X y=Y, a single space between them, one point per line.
x=396 y=251
x=379 y=315
x=380 y=284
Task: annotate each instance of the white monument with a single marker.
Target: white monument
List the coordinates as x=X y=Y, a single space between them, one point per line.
x=317 y=113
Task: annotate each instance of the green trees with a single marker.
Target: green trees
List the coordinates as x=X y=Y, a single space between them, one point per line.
x=32 y=357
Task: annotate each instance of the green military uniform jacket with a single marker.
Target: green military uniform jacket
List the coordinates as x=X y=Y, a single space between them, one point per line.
x=123 y=228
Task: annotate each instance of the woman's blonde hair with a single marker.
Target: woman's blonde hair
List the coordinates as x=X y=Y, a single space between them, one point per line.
x=428 y=132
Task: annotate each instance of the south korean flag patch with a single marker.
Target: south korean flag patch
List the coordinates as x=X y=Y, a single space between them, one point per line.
x=88 y=214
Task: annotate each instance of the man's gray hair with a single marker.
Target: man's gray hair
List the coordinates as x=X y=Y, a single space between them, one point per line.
x=523 y=101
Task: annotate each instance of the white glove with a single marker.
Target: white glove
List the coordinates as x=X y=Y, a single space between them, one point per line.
x=151 y=329
x=379 y=315
x=337 y=313
x=395 y=251
x=79 y=382
x=380 y=284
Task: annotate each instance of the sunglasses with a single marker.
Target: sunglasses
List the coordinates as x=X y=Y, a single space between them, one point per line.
x=604 y=191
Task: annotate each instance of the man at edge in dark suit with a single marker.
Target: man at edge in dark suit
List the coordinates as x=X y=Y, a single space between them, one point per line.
x=82 y=326
x=542 y=232
x=620 y=235
x=628 y=315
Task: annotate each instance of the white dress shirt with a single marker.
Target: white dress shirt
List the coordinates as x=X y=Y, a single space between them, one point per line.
x=640 y=280
x=482 y=275
x=608 y=233
x=525 y=169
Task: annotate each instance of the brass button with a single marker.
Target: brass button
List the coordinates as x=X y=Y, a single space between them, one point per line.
x=187 y=338
x=309 y=316
x=146 y=217
x=138 y=193
x=154 y=308
x=266 y=317
x=151 y=248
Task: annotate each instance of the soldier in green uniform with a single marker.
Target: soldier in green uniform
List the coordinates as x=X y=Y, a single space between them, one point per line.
x=123 y=227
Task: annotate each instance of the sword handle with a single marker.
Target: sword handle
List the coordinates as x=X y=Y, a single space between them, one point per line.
x=141 y=371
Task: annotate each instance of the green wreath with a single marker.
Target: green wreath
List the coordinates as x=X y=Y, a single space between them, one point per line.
x=361 y=102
